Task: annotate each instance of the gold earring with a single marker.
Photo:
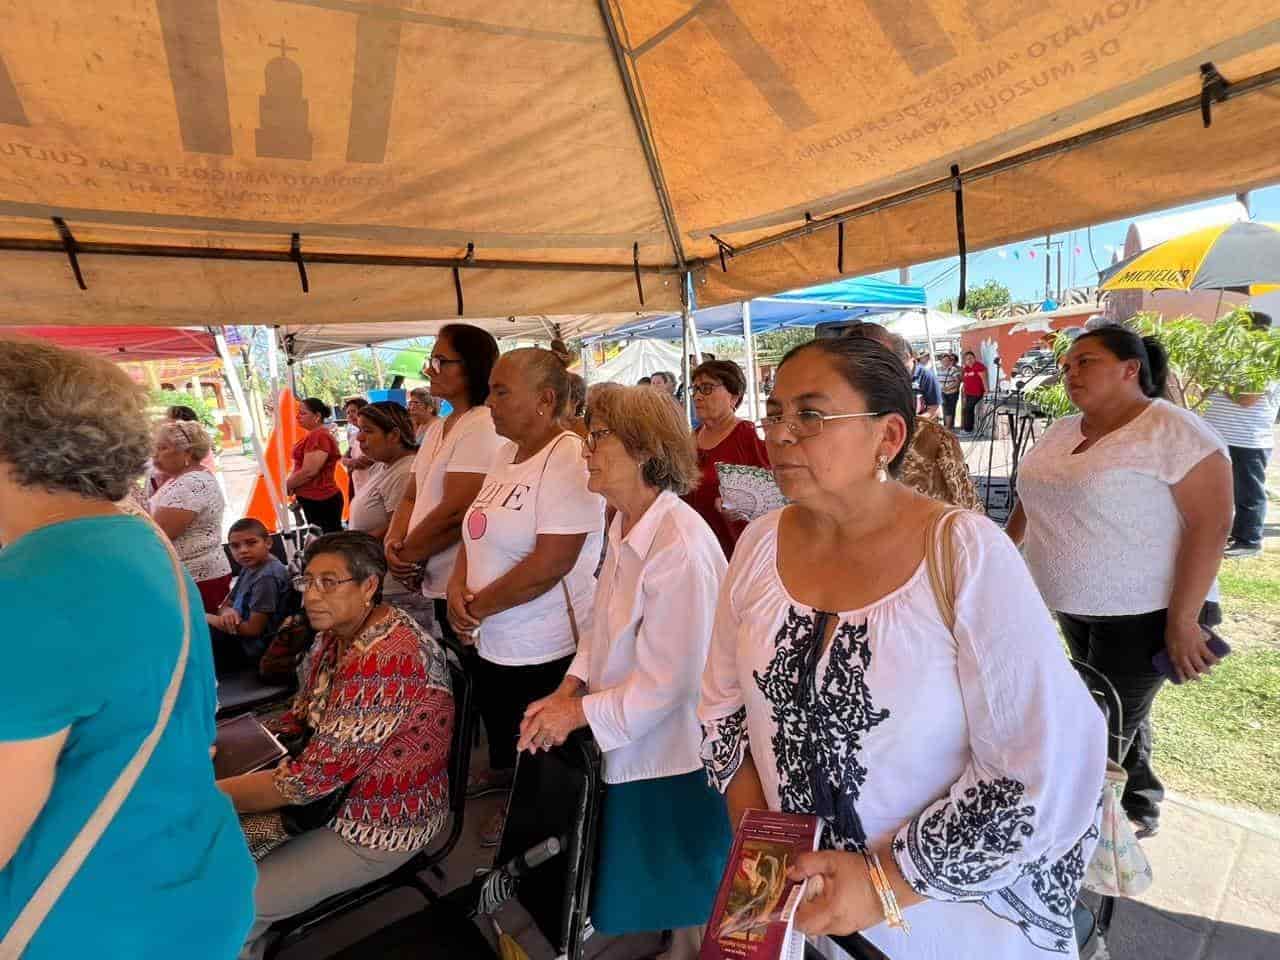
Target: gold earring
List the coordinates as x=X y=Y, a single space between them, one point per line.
x=882 y=468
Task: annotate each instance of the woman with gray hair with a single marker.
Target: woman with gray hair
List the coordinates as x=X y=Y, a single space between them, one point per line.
x=93 y=649
x=189 y=508
x=422 y=411
x=664 y=834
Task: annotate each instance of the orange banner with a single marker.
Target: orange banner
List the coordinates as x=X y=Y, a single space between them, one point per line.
x=279 y=456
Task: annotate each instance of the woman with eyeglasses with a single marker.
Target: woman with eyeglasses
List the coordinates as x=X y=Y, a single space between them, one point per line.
x=367 y=783
x=722 y=437
x=454 y=454
x=930 y=719
x=522 y=584
x=664 y=835
x=422 y=410
x=314 y=458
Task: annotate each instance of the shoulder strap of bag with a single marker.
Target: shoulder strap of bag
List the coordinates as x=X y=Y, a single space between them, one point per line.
x=69 y=864
x=564 y=587
x=940 y=561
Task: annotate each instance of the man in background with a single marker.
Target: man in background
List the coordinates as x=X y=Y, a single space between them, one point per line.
x=949 y=379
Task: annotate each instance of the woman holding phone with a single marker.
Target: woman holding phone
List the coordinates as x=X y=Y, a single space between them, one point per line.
x=1123 y=511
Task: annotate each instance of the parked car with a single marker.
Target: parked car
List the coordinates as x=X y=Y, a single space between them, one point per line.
x=1035 y=361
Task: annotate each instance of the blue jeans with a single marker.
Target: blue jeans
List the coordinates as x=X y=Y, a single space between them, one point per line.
x=1249 y=473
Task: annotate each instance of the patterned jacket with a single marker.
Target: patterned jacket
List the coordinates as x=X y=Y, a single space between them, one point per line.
x=381 y=720
x=935 y=466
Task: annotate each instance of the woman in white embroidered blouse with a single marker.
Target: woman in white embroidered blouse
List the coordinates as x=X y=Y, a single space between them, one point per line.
x=969 y=759
x=1124 y=510
x=664 y=835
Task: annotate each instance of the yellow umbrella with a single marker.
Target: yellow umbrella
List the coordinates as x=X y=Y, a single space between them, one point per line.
x=508 y=949
x=1243 y=257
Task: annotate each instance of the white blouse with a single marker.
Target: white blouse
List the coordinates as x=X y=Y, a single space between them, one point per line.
x=980 y=754
x=199 y=547
x=651 y=627
x=1102 y=526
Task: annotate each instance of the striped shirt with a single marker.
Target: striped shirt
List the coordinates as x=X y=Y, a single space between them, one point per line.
x=1241 y=426
x=949 y=379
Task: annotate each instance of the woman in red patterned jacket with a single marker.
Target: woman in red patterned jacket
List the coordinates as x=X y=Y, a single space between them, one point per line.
x=375 y=717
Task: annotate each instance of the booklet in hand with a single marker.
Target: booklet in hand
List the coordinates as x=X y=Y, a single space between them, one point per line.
x=756 y=905
x=748 y=492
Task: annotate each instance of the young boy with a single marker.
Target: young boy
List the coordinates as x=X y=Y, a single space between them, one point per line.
x=257 y=601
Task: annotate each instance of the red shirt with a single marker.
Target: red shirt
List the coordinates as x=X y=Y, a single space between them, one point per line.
x=742 y=445
x=321 y=486
x=973 y=379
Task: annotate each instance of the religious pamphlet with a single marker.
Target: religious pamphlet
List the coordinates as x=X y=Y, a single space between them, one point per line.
x=756 y=905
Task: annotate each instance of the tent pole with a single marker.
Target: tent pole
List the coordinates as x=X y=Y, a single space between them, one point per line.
x=377 y=366
x=273 y=362
x=749 y=337
x=686 y=322
x=928 y=335
x=246 y=418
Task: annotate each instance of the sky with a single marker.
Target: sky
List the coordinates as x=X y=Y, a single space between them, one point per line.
x=1024 y=275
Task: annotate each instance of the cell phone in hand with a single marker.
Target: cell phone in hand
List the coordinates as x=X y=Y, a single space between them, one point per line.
x=1219 y=647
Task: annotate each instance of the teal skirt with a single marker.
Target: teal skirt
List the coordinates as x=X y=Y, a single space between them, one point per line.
x=663 y=847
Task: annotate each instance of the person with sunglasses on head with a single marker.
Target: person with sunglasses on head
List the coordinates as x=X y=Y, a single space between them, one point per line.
x=722 y=437
x=1122 y=513
x=522 y=584
x=924 y=712
x=315 y=457
x=935 y=464
x=454 y=454
x=366 y=785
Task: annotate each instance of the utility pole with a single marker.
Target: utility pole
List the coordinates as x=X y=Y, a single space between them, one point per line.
x=1050 y=245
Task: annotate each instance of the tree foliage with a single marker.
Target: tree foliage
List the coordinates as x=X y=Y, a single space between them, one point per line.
x=987 y=296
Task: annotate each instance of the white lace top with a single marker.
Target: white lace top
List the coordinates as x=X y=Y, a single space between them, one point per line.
x=200 y=545
x=1102 y=526
x=980 y=754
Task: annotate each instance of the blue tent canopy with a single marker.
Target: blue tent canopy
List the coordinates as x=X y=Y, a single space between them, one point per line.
x=796 y=308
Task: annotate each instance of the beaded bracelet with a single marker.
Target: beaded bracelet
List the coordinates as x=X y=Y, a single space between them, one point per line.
x=884 y=890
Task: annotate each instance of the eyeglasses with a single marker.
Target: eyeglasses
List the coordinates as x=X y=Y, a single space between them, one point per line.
x=594 y=437
x=807 y=423
x=705 y=389
x=436 y=363
x=304 y=582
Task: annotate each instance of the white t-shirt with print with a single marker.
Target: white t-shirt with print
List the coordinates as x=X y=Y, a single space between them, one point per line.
x=375 y=504
x=546 y=493
x=469 y=447
x=1102 y=526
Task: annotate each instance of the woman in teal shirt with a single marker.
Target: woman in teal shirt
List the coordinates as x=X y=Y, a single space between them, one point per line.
x=92 y=634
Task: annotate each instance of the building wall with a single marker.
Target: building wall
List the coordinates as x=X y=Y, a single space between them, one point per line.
x=1010 y=346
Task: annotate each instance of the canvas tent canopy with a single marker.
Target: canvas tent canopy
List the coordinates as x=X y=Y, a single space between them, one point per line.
x=640 y=358
x=299 y=162
x=127 y=344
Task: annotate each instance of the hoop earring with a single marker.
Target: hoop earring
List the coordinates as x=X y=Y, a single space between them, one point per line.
x=882 y=468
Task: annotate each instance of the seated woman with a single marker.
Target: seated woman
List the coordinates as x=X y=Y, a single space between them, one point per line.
x=664 y=835
x=189 y=508
x=92 y=635
x=373 y=719
x=954 y=757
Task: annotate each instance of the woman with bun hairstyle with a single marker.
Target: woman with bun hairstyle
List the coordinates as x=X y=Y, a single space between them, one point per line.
x=1123 y=511
x=314 y=459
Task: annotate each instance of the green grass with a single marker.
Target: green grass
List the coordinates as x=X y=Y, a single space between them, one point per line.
x=1220 y=738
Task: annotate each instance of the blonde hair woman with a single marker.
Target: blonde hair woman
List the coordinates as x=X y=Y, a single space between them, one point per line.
x=634 y=680
x=189 y=508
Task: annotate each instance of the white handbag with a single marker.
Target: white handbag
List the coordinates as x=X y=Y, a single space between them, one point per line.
x=1119 y=868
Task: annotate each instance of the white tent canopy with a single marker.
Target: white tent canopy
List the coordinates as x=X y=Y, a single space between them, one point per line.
x=923 y=324
x=301 y=342
x=640 y=358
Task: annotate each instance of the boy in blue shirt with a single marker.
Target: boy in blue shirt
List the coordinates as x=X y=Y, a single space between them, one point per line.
x=258 y=600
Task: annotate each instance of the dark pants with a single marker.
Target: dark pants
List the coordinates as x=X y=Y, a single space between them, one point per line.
x=1121 y=648
x=325 y=514
x=970 y=408
x=949 y=404
x=504 y=693
x=232 y=653
x=1249 y=471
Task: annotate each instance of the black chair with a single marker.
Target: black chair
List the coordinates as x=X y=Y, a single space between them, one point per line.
x=407 y=875
x=1092 y=924
x=555 y=794
x=244 y=690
